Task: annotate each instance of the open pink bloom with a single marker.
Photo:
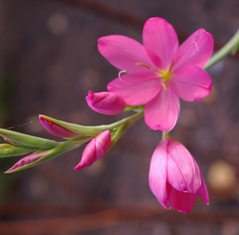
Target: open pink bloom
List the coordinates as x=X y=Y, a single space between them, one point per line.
x=159 y=71
x=108 y=103
x=95 y=150
x=175 y=178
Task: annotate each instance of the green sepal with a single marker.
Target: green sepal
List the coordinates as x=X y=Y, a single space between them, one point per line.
x=8 y=150
x=28 y=141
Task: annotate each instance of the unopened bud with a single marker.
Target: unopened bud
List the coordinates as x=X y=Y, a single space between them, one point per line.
x=95 y=150
x=108 y=103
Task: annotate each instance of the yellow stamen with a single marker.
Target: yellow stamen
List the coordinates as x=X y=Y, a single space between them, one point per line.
x=165 y=77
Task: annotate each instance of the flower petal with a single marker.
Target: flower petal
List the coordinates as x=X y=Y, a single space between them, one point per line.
x=183 y=172
x=162 y=112
x=158 y=174
x=197 y=49
x=192 y=83
x=124 y=53
x=137 y=88
x=180 y=201
x=202 y=192
x=160 y=41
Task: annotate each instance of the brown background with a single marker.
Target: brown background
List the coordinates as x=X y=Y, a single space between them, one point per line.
x=49 y=61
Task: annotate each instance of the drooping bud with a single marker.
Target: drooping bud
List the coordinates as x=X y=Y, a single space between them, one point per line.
x=108 y=103
x=95 y=150
x=55 y=129
x=175 y=178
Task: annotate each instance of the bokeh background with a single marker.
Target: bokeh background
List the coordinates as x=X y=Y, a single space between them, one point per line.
x=49 y=61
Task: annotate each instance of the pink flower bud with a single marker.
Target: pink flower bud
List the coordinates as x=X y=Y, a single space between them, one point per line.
x=55 y=129
x=31 y=158
x=108 y=103
x=95 y=150
x=175 y=178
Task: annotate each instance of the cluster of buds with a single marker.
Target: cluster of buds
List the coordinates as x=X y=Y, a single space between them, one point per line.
x=38 y=150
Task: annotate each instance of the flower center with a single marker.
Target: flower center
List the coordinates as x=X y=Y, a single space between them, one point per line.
x=165 y=76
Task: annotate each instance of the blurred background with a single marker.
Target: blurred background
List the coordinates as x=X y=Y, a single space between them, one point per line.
x=49 y=61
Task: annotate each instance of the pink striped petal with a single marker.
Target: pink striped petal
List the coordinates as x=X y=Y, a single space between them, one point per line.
x=158 y=173
x=124 y=53
x=183 y=172
x=137 y=88
x=196 y=50
x=162 y=112
x=160 y=41
x=191 y=83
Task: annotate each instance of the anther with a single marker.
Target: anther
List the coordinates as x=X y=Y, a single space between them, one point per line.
x=120 y=72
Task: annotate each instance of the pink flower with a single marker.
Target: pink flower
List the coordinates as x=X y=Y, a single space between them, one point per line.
x=175 y=178
x=55 y=129
x=108 y=103
x=95 y=150
x=159 y=71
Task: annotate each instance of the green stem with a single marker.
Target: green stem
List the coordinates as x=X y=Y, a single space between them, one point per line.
x=124 y=126
x=224 y=51
x=165 y=135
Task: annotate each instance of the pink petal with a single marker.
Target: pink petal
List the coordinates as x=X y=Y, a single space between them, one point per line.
x=158 y=174
x=202 y=192
x=137 y=88
x=162 y=112
x=196 y=50
x=183 y=172
x=191 y=83
x=108 y=103
x=160 y=41
x=124 y=53
x=180 y=201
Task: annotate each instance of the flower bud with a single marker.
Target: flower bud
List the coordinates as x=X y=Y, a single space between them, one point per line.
x=55 y=129
x=108 y=103
x=26 y=161
x=175 y=178
x=95 y=150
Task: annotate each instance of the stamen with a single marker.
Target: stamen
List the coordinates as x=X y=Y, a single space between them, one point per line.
x=142 y=64
x=164 y=85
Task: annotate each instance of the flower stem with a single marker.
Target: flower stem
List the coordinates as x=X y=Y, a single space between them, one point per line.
x=231 y=47
x=124 y=125
x=165 y=135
